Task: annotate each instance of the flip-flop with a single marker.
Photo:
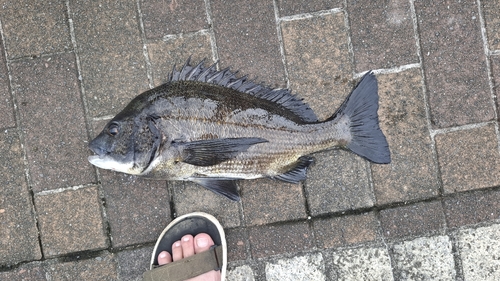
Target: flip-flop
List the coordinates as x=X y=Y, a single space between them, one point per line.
x=213 y=259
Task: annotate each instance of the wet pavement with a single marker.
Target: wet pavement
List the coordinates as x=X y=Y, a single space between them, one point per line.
x=66 y=67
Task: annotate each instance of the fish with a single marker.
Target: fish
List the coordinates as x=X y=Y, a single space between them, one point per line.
x=214 y=128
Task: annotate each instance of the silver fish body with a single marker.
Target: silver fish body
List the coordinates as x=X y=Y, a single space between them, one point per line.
x=212 y=128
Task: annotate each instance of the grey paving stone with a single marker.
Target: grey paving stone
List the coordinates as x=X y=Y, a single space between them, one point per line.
x=171 y=17
x=6 y=105
x=469 y=159
x=17 y=221
x=52 y=121
x=27 y=271
x=163 y=55
x=240 y=273
x=246 y=38
x=491 y=11
x=70 y=221
x=267 y=201
x=388 y=43
x=137 y=209
x=273 y=240
x=454 y=62
x=480 y=253
x=337 y=182
x=318 y=61
x=309 y=267
x=190 y=197
x=293 y=7
x=417 y=219
x=110 y=49
x=31 y=28
x=472 y=208
x=102 y=267
x=346 y=230
x=426 y=258
x=133 y=263
x=412 y=173
x=237 y=243
x=367 y=263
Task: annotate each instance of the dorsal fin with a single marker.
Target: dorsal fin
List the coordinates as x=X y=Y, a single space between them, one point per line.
x=226 y=78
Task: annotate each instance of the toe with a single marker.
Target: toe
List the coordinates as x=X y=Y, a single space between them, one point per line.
x=203 y=242
x=187 y=245
x=177 y=251
x=164 y=257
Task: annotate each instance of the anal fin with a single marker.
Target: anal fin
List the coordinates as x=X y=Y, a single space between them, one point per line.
x=298 y=172
x=223 y=186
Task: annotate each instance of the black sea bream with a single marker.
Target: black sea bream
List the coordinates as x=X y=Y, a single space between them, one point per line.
x=212 y=128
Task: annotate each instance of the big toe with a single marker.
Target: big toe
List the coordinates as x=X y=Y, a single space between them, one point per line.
x=203 y=242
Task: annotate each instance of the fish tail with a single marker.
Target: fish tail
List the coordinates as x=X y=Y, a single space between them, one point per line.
x=366 y=139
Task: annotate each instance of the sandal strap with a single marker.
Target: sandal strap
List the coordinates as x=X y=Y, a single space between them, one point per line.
x=188 y=267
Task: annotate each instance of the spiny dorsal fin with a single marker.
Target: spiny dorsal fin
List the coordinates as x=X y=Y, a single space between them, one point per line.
x=226 y=78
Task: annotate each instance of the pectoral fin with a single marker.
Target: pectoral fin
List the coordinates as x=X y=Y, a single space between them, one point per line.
x=222 y=186
x=213 y=152
x=298 y=172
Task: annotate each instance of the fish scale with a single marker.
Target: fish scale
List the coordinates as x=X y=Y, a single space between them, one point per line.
x=213 y=128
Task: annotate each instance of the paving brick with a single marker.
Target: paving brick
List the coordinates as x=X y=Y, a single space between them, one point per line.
x=418 y=219
x=491 y=11
x=133 y=263
x=309 y=267
x=412 y=173
x=247 y=39
x=28 y=271
x=161 y=17
x=190 y=197
x=243 y=273
x=110 y=49
x=17 y=222
x=426 y=258
x=280 y=239
x=137 y=209
x=31 y=28
x=237 y=243
x=345 y=230
x=163 y=55
x=454 y=62
x=267 y=201
x=318 y=61
x=361 y=264
x=337 y=182
x=102 y=267
x=70 y=221
x=292 y=7
x=388 y=43
x=479 y=250
x=469 y=159
x=472 y=208
x=6 y=106
x=52 y=121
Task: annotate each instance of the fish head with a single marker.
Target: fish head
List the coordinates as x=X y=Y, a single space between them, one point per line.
x=126 y=144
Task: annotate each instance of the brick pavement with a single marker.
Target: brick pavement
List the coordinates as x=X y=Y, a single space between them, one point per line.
x=66 y=67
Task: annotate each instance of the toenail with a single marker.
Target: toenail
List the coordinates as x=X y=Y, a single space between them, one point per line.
x=185 y=238
x=177 y=244
x=163 y=255
x=202 y=242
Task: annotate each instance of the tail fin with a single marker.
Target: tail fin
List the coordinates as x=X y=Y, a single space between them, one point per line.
x=361 y=106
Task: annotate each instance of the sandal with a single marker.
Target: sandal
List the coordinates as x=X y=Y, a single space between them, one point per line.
x=213 y=259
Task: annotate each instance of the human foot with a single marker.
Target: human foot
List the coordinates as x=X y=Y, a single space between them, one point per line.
x=186 y=247
x=191 y=246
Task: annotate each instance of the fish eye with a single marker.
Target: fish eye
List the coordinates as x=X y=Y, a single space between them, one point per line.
x=113 y=129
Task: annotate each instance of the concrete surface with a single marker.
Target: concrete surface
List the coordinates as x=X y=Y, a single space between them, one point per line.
x=66 y=67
